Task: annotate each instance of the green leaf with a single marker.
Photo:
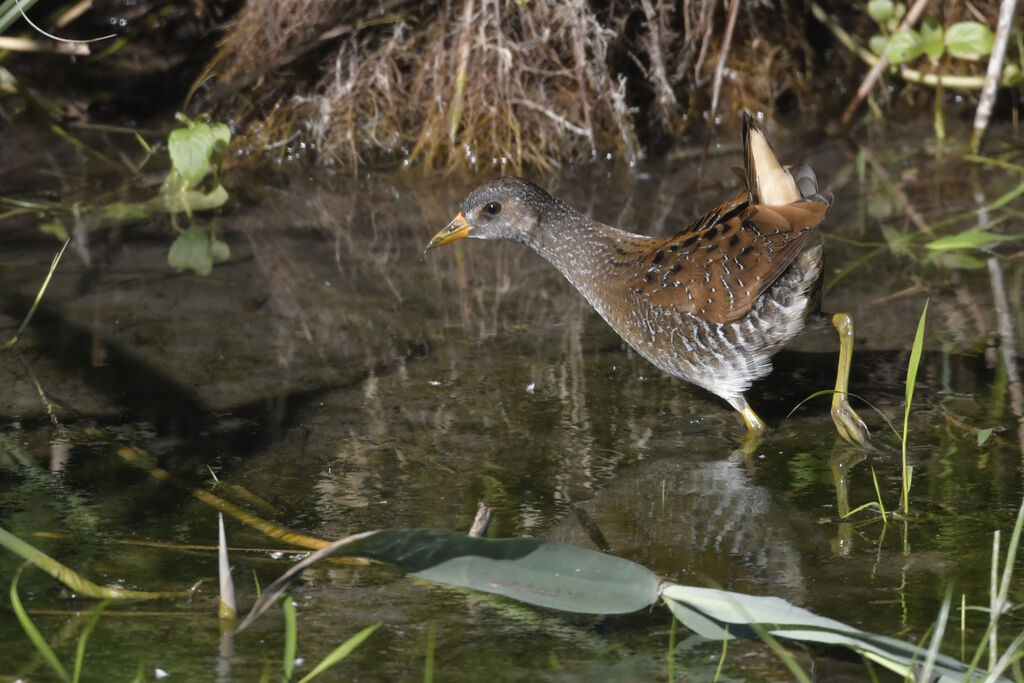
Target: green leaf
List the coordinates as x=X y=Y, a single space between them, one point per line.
x=983 y=435
x=1012 y=75
x=55 y=228
x=339 y=653
x=291 y=635
x=221 y=137
x=931 y=35
x=191 y=250
x=969 y=40
x=898 y=10
x=190 y=150
x=38 y=641
x=877 y=44
x=956 y=260
x=187 y=201
x=974 y=238
x=574 y=579
x=219 y=249
x=538 y=572
x=880 y=10
x=905 y=45
x=124 y=211
x=722 y=615
x=94 y=619
x=879 y=205
x=898 y=241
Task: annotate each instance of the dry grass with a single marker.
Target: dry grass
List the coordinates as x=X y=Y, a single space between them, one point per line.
x=476 y=84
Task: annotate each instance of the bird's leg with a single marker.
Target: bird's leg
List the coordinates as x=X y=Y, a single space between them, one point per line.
x=848 y=423
x=756 y=428
x=755 y=425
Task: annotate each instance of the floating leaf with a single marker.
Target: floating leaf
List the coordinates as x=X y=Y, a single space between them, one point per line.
x=191 y=250
x=881 y=10
x=969 y=40
x=969 y=239
x=931 y=35
x=565 y=577
x=722 y=615
x=905 y=45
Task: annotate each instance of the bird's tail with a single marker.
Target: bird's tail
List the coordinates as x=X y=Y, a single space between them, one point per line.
x=768 y=181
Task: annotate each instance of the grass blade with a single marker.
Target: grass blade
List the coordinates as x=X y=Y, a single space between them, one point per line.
x=291 y=636
x=39 y=297
x=84 y=638
x=915 y=361
x=33 y=633
x=71 y=578
x=428 y=664
x=339 y=653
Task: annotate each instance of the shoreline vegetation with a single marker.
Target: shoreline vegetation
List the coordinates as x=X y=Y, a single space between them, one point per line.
x=473 y=85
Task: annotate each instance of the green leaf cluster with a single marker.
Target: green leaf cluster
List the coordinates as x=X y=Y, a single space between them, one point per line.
x=970 y=40
x=193 y=184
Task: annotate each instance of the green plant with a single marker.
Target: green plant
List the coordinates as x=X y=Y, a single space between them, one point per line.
x=291 y=637
x=43 y=647
x=915 y=360
x=964 y=40
x=192 y=185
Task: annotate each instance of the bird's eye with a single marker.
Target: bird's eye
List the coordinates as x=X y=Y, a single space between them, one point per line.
x=492 y=208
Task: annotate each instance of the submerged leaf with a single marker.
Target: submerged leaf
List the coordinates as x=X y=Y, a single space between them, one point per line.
x=125 y=211
x=191 y=250
x=974 y=238
x=55 y=228
x=219 y=249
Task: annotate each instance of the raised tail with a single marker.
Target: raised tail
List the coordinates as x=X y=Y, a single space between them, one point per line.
x=768 y=182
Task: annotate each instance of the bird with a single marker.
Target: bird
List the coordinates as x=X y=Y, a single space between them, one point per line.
x=709 y=305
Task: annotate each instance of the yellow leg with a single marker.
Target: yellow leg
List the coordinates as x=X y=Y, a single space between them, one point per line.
x=848 y=423
x=755 y=425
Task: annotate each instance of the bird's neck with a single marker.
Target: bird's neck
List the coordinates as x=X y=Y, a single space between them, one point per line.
x=592 y=256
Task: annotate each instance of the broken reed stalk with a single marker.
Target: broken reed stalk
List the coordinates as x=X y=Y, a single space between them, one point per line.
x=1007 y=10
x=734 y=7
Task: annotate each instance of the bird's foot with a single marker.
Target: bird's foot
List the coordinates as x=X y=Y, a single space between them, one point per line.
x=847 y=421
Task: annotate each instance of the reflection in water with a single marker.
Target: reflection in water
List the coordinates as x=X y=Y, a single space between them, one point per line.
x=351 y=385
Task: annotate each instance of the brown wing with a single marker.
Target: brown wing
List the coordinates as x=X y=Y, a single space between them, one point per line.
x=718 y=266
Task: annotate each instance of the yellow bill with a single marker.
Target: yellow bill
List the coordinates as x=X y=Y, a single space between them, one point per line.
x=455 y=230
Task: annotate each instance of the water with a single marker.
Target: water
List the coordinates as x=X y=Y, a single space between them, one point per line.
x=351 y=385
